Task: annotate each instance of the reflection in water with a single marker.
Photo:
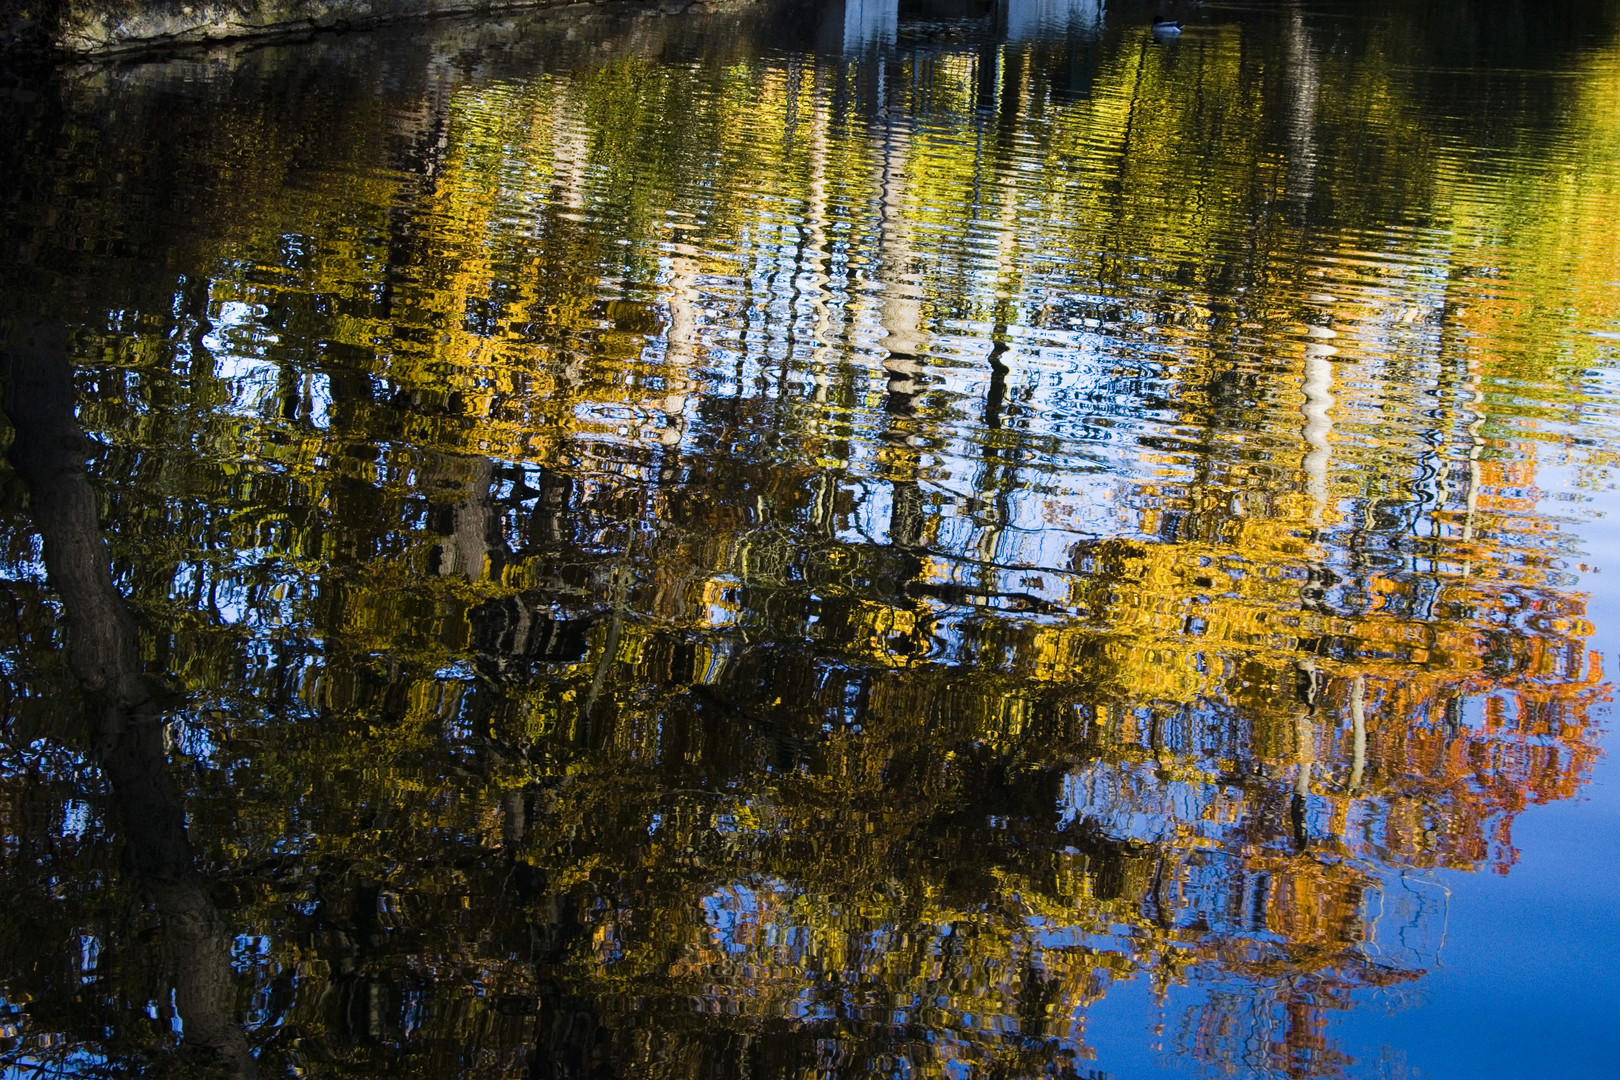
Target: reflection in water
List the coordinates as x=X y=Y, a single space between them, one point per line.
x=858 y=25
x=1034 y=20
x=715 y=546
x=125 y=721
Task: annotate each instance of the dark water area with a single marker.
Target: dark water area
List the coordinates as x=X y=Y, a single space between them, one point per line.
x=851 y=541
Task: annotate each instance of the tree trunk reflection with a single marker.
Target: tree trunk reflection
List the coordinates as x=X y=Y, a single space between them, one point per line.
x=124 y=711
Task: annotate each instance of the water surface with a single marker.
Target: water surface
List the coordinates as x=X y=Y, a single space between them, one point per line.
x=855 y=541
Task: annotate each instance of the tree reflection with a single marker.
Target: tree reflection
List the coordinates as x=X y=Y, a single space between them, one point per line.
x=123 y=735
x=681 y=560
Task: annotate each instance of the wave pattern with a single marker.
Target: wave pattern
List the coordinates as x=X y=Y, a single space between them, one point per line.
x=676 y=550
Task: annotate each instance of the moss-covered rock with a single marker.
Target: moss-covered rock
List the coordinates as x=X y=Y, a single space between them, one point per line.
x=102 y=26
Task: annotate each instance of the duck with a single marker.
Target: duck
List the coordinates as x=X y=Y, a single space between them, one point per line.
x=1162 y=25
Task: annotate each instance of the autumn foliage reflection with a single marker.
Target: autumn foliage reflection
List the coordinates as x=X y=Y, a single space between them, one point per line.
x=683 y=560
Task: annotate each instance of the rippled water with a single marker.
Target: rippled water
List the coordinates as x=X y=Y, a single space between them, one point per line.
x=783 y=541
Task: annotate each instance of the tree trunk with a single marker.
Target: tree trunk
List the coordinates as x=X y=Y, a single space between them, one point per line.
x=48 y=453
